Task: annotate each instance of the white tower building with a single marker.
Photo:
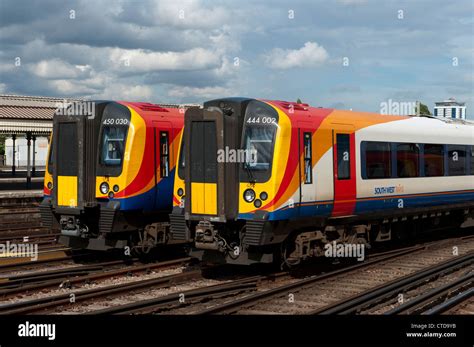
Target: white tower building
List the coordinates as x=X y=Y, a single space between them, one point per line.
x=450 y=108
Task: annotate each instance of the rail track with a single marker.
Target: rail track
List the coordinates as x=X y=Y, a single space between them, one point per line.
x=51 y=303
x=78 y=275
x=189 y=292
x=20 y=224
x=459 y=304
x=317 y=295
x=361 y=303
x=187 y=301
x=268 y=293
x=46 y=251
x=20 y=216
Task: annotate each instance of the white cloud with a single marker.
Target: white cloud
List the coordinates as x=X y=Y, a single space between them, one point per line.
x=139 y=60
x=56 y=68
x=190 y=13
x=310 y=55
x=71 y=87
x=205 y=92
x=81 y=87
x=127 y=92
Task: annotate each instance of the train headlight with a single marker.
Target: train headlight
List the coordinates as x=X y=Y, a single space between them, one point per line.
x=180 y=192
x=263 y=196
x=104 y=187
x=111 y=195
x=258 y=203
x=116 y=188
x=50 y=185
x=249 y=195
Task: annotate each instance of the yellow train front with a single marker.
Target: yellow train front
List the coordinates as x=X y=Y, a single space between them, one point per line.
x=264 y=181
x=110 y=174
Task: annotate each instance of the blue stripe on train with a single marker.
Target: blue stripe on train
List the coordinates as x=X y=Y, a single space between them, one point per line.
x=160 y=197
x=363 y=206
x=366 y=205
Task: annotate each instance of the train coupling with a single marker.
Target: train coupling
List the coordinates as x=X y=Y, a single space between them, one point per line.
x=206 y=237
x=71 y=226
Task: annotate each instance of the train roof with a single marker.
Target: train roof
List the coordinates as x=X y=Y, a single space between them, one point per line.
x=166 y=111
x=302 y=111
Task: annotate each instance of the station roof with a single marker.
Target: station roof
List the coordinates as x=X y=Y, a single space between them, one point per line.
x=34 y=114
x=22 y=114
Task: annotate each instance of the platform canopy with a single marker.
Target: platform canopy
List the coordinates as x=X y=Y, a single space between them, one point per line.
x=33 y=115
x=27 y=114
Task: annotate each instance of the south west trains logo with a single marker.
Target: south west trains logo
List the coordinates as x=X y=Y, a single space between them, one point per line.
x=389 y=190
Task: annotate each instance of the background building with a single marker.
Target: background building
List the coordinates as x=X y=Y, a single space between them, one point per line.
x=21 y=154
x=25 y=126
x=450 y=108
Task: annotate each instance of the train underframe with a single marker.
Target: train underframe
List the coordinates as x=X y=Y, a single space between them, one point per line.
x=105 y=227
x=292 y=242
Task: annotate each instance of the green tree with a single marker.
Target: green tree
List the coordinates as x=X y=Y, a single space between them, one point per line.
x=424 y=110
x=299 y=101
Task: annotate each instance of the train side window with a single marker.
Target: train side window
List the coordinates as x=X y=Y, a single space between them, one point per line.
x=457 y=160
x=164 y=154
x=343 y=157
x=408 y=160
x=434 y=160
x=472 y=160
x=308 y=155
x=378 y=160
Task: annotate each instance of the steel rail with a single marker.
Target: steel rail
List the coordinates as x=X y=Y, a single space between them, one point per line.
x=450 y=303
x=50 y=302
x=374 y=295
x=68 y=282
x=251 y=300
x=420 y=302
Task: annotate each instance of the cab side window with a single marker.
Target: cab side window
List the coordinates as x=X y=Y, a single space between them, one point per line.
x=164 y=154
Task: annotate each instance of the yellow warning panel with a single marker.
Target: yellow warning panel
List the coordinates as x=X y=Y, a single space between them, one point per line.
x=67 y=191
x=204 y=198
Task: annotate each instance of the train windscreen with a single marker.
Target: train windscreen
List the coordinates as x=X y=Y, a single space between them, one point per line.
x=113 y=145
x=260 y=126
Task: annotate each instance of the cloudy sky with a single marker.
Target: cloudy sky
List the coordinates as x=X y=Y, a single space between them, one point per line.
x=350 y=54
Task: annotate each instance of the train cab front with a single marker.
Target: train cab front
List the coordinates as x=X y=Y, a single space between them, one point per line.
x=86 y=153
x=230 y=145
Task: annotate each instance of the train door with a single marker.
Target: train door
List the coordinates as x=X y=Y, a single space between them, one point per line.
x=344 y=172
x=307 y=177
x=203 y=163
x=164 y=156
x=210 y=183
x=67 y=159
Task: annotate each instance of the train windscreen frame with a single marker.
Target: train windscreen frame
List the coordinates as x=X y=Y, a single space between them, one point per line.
x=258 y=142
x=113 y=135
